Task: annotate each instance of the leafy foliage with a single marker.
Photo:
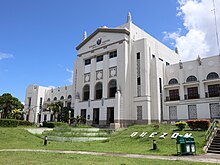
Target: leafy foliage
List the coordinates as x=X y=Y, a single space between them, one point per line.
x=64 y=117
x=53 y=124
x=13 y=123
x=17 y=114
x=8 y=103
x=181 y=125
x=57 y=108
x=198 y=124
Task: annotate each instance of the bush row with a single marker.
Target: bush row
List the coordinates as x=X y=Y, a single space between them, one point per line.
x=198 y=124
x=181 y=125
x=13 y=123
x=53 y=124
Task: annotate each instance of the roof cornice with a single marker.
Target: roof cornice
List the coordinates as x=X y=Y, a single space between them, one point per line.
x=107 y=30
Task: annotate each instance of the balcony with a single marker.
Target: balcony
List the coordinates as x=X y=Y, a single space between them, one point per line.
x=212 y=94
x=191 y=96
x=172 y=98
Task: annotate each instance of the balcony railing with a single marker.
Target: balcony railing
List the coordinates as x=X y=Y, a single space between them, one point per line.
x=212 y=94
x=192 y=96
x=172 y=98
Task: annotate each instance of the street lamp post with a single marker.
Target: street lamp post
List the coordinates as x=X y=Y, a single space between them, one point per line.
x=69 y=117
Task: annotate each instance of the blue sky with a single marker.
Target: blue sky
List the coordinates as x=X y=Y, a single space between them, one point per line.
x=38 y=37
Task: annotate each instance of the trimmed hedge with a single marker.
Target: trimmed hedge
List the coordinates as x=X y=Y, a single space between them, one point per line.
x=24 y=123
x=13 y=123
x=198 y=124
x=53 y=124
x=181 y=125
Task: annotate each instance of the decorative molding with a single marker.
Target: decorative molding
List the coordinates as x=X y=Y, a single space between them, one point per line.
x=99 y=75
x=107 y=30
x=87 y=77
x=113 y=72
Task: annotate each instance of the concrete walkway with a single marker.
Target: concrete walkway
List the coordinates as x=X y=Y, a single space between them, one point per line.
x=208 y=158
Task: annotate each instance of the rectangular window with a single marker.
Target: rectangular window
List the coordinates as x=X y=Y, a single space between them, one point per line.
x=45 y=117
x=214 y=90
x=139 y=112
x=29 y=101
x=160 y=84
x=192 y=111
x=138 y=55
x=138 y=81
x=113 y=54
x=87 y=61
x=41 y=100
x=83 y=113
x=192 y=93
x=214 y=110
x=173 y=112
x=174 y=94
x=99 y=58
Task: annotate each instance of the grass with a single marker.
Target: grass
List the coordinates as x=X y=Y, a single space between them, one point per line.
x=27 y=158
x=119 y=142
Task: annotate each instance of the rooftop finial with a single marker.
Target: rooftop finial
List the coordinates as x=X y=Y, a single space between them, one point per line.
x=129 y=17
x=84 y=35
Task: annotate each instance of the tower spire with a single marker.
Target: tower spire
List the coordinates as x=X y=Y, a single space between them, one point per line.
x=129 y=19
x=84 y=35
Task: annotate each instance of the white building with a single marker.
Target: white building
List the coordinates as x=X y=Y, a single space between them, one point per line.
x=38 y=97
x=123 y=76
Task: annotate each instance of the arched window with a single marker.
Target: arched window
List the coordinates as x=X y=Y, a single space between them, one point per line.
x=55 y=99
x=212 y=75
x=98 y=90
x=69 y=97
x=86 y=90
x=191 y=79
x=61 y=98
x=48 y=100
x=173 y=81
x=112 y=88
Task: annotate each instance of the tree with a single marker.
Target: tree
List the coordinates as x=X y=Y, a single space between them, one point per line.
x=9 y=103
x=64 y=117
x=56 y=108
x=17 y=114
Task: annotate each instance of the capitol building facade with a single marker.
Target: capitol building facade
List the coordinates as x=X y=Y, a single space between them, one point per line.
x=124 y=76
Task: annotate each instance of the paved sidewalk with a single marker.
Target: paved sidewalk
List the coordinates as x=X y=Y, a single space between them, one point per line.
x=208 y=158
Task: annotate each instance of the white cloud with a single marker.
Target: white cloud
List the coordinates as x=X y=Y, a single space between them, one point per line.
x=199 y=23
x=51 y=87
x=173 y=35
x=70 y=80
x=5 y=55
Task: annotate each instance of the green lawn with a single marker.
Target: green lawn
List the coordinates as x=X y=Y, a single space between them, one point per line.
x=119 y=142
x=30 y=158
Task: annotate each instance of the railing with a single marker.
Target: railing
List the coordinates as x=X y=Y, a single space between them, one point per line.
x=172 y=98
x=192 y=96
x=212 y=94
x=210 y=130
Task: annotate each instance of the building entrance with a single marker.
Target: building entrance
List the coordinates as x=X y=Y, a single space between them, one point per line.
x=96 y=116
x=110 y=115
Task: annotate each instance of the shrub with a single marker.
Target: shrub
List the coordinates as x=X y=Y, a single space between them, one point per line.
x=24 y=123
x=13 y=123
x=53 y=124
x=8 y=122
x=181 y=125
x=198 y=124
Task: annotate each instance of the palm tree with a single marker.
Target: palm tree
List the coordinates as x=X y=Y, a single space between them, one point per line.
x=56 y=108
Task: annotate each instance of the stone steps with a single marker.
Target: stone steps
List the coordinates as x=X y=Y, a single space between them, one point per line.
x=76 y=134
x=215 y=145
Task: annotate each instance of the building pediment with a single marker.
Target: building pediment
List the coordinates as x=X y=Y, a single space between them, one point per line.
x=102 y=37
